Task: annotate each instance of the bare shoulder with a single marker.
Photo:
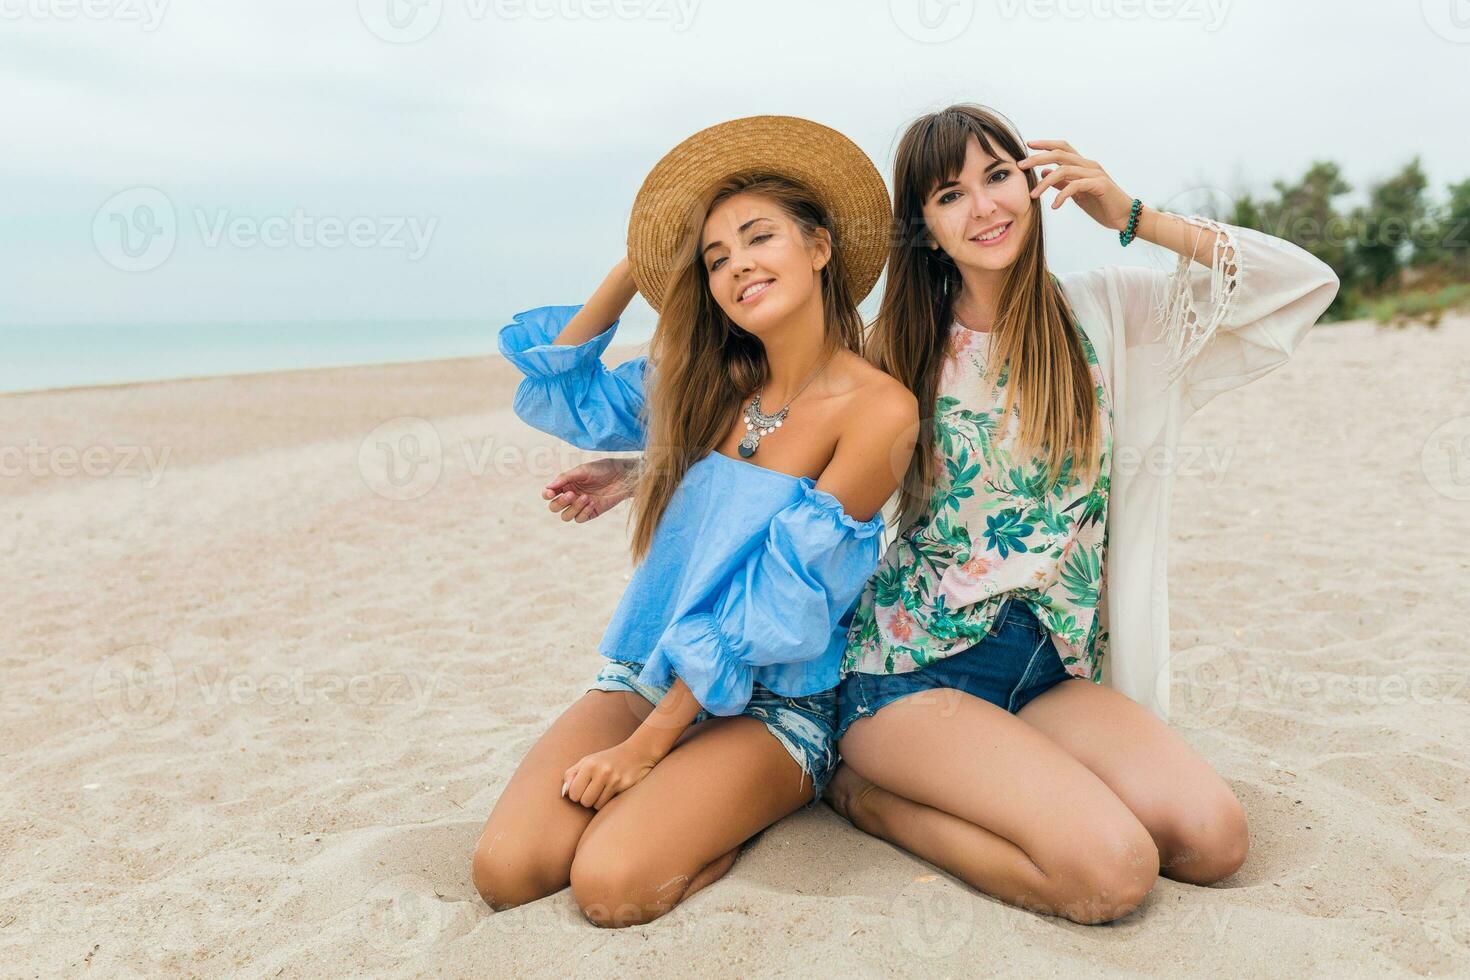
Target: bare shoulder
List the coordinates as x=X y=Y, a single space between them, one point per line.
x=880 y=423
x=874 y=397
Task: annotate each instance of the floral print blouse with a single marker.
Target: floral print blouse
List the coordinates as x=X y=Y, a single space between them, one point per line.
x=991 y=530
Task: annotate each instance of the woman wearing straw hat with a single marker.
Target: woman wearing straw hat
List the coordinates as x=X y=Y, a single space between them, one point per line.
x=769 y=445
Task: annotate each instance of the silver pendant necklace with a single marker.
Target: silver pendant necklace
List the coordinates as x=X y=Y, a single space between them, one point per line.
x=758 y=424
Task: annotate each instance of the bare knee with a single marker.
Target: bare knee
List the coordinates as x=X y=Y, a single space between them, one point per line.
x=507 y=875
x=1102 y=881
x=1204 y=841
x=614 y=891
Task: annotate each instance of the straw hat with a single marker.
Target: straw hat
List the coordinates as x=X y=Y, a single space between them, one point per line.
x=675 y=194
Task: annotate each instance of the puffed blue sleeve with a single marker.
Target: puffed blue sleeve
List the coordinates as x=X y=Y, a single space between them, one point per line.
x=782 y=604
x=567 y=392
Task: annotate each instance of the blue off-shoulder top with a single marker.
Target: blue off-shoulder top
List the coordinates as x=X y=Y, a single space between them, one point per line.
x=752 y=575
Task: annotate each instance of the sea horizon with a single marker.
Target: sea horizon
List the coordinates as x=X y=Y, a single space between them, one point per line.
x=49 y=357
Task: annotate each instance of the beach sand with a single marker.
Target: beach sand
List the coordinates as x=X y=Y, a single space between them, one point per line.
x=261 y=693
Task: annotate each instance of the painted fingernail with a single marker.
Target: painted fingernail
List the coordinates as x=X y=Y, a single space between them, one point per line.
x=563 y=789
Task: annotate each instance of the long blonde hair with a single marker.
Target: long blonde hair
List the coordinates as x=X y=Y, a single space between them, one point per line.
x=1032 y=332
x=702 y=367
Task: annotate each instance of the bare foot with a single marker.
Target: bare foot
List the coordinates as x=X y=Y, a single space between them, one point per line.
x=845 y=792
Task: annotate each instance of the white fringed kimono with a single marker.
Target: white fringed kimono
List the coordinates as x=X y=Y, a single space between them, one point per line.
x=1167 y=344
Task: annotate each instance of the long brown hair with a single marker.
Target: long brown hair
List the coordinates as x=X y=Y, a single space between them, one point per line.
x=701 y=366
x=1032 y=332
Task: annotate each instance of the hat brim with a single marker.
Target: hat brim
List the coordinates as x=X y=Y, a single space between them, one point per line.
x=676 y=191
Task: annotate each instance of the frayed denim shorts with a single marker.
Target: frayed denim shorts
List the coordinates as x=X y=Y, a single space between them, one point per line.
x=802 y=725
x=1013 y=663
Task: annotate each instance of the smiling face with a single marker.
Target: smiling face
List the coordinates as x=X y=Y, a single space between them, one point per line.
x=981 y=218
x=760 y=267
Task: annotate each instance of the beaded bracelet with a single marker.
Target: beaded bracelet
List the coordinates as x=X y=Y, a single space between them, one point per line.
x=1126 y=236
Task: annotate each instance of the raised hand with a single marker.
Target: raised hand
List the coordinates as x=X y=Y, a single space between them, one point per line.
x=1083 y=180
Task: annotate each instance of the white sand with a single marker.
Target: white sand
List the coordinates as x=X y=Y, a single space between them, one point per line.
x=255 y=713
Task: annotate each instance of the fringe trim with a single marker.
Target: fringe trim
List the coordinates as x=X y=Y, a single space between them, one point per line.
x=1183 y=328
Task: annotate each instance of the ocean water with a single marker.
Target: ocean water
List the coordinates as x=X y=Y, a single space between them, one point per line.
x=34 y=358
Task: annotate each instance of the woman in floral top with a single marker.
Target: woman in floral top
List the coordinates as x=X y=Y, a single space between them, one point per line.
x=971 y=729
x=938 y=590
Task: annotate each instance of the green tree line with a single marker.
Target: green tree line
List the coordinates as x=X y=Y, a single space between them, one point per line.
x=1403 y=255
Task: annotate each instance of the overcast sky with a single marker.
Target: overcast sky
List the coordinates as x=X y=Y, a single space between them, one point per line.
x=200 y=161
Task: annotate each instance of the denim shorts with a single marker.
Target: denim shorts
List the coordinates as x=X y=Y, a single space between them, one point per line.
x=802 y=725
x=1013 y=663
